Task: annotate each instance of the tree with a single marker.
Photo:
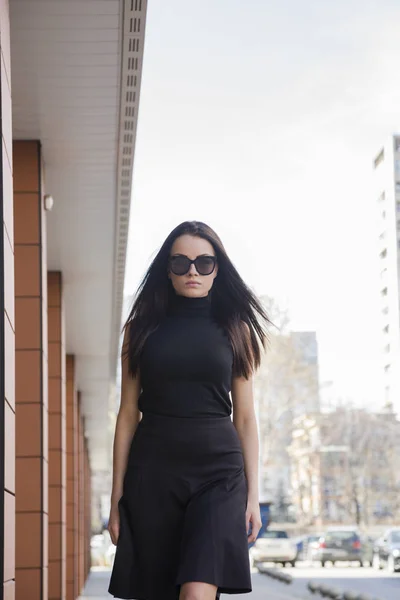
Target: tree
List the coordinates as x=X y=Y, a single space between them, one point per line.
x=284 y=384
x=366 y=488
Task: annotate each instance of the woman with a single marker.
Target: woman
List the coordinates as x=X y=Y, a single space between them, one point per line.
x=185 y=476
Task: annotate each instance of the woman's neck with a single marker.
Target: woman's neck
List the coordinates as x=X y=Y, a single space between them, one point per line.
x=190 y=306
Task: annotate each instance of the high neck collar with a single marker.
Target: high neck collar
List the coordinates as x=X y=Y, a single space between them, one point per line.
x=190 y=307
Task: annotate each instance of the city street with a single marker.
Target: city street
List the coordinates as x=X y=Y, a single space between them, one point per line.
x=378 y=584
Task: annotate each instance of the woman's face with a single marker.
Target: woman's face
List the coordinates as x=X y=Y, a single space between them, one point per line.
x=192 y=247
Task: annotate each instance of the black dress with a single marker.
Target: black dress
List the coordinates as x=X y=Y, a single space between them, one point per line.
x=182 y=512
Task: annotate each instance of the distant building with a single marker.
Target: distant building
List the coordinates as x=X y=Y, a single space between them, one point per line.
x=286 y=388
x=387 y=193
x=343 y=468
x=307 y=379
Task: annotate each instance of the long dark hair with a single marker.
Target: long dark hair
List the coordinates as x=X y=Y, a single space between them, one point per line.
x=233 y=304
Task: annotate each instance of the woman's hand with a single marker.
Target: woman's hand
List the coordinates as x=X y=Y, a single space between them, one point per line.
x=113 y=523
x=253 y=517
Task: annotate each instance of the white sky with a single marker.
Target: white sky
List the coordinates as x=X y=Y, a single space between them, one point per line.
x=262 y=119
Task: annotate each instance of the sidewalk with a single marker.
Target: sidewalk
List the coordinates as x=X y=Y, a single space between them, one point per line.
x=97 y=585
x=263 y=588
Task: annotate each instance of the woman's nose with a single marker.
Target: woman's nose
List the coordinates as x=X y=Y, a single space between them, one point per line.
x=192 y=269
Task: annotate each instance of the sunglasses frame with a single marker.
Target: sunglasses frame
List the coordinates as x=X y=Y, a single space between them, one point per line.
x=193 y=262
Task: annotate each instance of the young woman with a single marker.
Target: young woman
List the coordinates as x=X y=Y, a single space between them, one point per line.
x=184 y=502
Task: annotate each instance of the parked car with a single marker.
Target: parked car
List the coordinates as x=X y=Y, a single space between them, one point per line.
x=387 y=551
x=343 y=544
x=306 y=545
x=273 y=546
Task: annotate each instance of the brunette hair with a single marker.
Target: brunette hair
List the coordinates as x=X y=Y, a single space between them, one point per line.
x=233 y=304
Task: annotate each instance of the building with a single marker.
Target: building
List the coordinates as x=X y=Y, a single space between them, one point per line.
x=286 y=386
x=306 y=378
x=70 y=88
x=387 y=195
x=344 y=468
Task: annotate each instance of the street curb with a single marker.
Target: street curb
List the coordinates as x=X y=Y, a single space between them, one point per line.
x=335 y=594
x=275 y=574
x=326 y=591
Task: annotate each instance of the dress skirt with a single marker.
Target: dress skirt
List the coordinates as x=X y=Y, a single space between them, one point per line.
x=182 y=512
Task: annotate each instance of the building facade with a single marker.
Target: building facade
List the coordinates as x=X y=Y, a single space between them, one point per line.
x=387 y=195
x=286 y=386
x=70 y=86
x=344 y=468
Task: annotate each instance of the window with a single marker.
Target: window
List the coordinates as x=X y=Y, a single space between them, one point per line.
x=397 y=144
x=379 y=158
x=397 y=166
x=386 y=348
x=397 y=187
x=382 y=236
x=383 y=254
x=381 y=197
x=336 y=537
x=383 y=214
x=395 y=537
x=398 y=207
x=274 y=535
x=386 y=329
x=384 y=291
x=385 y=310
x=387 y=368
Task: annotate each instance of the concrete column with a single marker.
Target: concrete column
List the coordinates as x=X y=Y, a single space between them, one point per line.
x=88 y=512
x=57 y=440
x=7 y=320
x=81 y=495
x=31 y=374
x=72 y=482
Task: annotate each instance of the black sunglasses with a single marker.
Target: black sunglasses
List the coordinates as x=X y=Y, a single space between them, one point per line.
x=181 y=264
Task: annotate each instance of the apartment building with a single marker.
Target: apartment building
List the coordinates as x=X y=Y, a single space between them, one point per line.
x=387 y=196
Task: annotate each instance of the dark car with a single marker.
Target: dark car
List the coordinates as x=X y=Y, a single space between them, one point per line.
x=342 y=544
x=387 y=551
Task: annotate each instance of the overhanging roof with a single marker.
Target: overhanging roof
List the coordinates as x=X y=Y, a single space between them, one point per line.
x=76 y=70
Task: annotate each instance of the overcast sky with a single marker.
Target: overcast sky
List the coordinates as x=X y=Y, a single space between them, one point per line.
x=262 y=118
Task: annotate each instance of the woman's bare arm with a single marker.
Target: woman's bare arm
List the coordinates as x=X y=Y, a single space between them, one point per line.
x=127 y=421
x=244 y=419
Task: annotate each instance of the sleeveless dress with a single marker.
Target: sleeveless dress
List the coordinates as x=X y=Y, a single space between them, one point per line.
x=182 y=511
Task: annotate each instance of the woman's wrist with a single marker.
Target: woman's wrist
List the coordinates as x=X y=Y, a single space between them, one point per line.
x=115 y=497
x=252 y=496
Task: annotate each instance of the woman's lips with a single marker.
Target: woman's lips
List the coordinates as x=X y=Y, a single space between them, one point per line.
x=192 y=283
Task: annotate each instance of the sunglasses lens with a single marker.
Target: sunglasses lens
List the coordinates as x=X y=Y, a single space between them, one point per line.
x=180 y=265
x=205 y=265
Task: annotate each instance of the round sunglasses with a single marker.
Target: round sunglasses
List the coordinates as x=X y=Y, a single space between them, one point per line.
x=180 y=264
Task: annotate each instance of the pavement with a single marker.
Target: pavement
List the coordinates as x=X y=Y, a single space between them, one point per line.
x=378 y=584
x=263 y=588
